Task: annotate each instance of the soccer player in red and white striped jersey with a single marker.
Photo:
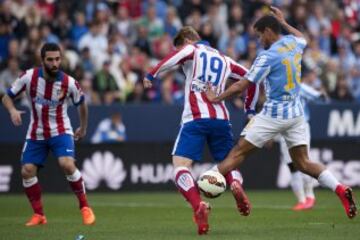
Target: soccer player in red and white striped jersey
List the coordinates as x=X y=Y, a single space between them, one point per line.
x=49 y=91
x=203 y=121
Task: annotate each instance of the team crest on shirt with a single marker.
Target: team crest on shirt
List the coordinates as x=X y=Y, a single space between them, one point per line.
x=60 y=93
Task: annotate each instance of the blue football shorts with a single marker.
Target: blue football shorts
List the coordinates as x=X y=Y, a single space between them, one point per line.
x=36 y=151
x=193 y=135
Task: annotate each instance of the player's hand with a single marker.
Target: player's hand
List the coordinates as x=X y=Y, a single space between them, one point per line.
x=147 y=83
x=210 y=94
x=277 y=14
x=79 y=133
x=16 y=117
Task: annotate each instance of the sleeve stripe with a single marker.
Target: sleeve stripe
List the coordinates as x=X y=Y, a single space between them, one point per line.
x=10 y=93
x=82 y=98
x=150 y=77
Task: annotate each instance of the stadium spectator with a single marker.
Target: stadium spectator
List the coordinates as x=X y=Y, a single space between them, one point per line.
x=172 y=22
x=86 y=62
x=9 y=75
x=105 y=85
x=126 y=79
x=96 y=42
x=123 y=24
x=154 y=24
x=110 y=130
x=138 y=95
x=135 y=28
x=342 y=91
x=355 y=72
x=5 y=38
x=47 y=35
x=91 y=97
x=79 y=29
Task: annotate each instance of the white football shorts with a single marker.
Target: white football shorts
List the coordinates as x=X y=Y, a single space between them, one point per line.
x=261 y=129
x=284 y=149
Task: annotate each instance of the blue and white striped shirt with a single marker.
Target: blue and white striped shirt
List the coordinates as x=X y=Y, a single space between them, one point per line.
x=280 y=67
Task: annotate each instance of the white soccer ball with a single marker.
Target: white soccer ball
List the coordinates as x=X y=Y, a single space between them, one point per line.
x=212 y=184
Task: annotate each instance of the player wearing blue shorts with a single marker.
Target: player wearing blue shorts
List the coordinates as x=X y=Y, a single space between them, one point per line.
x=49 y=92
x=202 y=122
x=279 y=66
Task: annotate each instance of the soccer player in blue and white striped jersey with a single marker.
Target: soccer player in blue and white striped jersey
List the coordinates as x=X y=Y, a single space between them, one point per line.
x=279 y=66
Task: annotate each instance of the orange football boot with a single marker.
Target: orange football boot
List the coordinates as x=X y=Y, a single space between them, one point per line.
x=35 y=220
x=88 y=216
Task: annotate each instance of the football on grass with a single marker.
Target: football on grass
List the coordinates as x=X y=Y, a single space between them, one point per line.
x=212 y=184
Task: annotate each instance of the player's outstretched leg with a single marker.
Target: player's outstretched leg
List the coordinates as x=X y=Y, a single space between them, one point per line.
x=325 y=177
x=33 y=193
x=77 y=185
x=234 y=180
x=188 y=188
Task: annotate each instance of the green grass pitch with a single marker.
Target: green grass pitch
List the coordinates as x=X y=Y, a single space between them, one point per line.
x=167 y=216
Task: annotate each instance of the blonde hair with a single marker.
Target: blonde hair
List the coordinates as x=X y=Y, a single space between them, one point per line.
x=184 y=33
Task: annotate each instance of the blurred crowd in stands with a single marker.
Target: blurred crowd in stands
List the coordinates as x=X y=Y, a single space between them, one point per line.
x=109 y=45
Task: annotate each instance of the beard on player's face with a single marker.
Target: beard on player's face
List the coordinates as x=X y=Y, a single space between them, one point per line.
x=51 y=70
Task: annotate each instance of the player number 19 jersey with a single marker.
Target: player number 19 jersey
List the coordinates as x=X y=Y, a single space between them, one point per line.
x=201 y=65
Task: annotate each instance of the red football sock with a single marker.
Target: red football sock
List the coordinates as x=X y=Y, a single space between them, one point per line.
x=33 y=193
x=233 y=175
x=187 y=187
x=79 y=189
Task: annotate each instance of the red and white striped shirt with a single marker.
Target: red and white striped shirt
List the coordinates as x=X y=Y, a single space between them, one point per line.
x=202 y=64
x=49 y=102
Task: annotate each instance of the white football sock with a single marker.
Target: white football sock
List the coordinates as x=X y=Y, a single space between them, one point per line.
x=308 y=186
x=327 y=179
x=236 y=175
x=29 y=182
x=297 y=186
x=74 y=177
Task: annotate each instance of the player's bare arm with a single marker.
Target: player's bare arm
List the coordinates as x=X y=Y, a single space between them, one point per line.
x=83 y=114
x=235 y=88
x=14 y=113
x=280 y=17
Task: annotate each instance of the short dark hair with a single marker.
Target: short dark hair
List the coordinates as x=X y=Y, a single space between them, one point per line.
x=267 y=21
x=184 y=33
x=49 y=47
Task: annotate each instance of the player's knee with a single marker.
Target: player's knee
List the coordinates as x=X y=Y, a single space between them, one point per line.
x=67 y=164
x=28 y=171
